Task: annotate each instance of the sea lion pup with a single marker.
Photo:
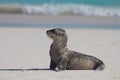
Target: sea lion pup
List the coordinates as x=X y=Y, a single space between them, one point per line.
x=64 y=59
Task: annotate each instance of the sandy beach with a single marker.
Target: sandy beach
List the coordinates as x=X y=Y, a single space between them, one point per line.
x=24 y=52
x=62 y=19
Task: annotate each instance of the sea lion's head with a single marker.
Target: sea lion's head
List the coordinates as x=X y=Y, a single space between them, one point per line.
x=57 y=34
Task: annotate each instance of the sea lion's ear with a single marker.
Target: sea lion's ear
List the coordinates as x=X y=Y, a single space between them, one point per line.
x=61 y=33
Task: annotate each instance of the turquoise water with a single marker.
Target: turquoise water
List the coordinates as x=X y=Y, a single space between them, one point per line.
x=58 y=7
x=112 y=3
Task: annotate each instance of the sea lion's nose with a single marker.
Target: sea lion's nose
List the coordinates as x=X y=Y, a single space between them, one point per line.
x=47 y=31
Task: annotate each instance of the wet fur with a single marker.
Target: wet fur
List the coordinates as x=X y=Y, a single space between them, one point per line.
x=64 y=59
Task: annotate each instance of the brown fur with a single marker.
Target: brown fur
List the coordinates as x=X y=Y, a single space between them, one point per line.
x=64 y=59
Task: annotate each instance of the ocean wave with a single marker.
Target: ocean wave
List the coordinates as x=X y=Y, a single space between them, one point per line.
x=61 y=9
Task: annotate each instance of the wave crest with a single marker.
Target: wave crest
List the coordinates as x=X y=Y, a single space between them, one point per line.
x=61 y=9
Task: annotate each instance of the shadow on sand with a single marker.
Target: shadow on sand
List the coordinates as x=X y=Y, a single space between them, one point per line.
x=31 y=69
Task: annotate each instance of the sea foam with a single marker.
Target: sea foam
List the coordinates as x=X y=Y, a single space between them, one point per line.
x=63 y=9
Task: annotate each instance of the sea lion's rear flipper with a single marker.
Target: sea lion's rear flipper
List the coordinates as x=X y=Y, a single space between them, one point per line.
x=100 y=66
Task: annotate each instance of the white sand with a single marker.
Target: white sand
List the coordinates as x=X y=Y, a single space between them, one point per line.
x=25 y=48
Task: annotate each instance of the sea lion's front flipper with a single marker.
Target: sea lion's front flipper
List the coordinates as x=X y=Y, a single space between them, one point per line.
x=52 y=65
x=62 y=64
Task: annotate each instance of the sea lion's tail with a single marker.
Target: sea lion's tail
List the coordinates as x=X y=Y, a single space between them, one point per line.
x=100 y=66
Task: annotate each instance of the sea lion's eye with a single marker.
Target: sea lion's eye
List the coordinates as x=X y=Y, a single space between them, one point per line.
x=53 y=31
